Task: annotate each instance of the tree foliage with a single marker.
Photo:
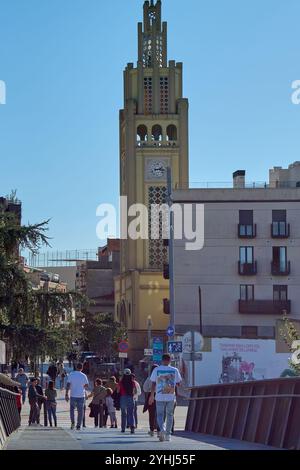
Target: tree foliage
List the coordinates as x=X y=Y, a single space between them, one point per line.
x=29 y=318
x=101 y=334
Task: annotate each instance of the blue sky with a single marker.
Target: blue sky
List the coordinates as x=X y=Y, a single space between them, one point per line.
x=62 y=62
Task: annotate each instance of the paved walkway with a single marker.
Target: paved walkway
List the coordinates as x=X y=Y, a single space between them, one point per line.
x=62 y=438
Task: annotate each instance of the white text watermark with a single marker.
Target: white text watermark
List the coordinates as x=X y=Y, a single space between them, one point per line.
x=2 y=92
x=296 y=94
x=138 y=222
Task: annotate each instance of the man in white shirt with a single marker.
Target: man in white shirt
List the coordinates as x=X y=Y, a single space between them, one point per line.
x=164 y=380
x=77 y=383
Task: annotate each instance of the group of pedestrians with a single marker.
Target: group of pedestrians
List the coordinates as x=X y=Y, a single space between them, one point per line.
x=160 y=399
x=107 y=398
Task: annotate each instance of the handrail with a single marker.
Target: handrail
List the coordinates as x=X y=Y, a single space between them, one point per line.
x=9 y=415
x=231 y=397
x=262 y=411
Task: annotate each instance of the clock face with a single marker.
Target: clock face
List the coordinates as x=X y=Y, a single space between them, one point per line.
x=158 y=169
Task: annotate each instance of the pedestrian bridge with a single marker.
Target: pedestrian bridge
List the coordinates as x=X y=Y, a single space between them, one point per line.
x=245 y=416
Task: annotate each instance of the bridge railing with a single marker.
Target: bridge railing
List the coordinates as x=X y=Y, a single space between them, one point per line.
x=265 y=412
x=9 y=415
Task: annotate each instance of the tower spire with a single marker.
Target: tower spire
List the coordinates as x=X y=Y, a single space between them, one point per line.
x=153 y=36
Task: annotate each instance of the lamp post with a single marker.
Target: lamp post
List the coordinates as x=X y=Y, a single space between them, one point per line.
x=149 y=328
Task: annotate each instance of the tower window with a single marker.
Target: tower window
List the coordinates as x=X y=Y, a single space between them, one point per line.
x=164 y=95
x=148 y=93
x=157 y=250
x=157 y=133
x=142 y=133
x=171 y=132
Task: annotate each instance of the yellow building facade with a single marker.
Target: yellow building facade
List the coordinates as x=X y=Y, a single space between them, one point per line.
x=153 y=136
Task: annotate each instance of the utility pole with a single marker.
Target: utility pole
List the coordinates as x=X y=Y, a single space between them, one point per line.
x=171 y=251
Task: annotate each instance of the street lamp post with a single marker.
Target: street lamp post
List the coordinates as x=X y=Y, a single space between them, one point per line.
x=171 y=252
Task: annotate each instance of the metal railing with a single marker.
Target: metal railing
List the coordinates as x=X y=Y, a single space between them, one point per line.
x=264 y=412
x=9 y=415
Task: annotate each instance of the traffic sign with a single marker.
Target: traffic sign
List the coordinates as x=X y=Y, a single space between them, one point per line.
x=123 y=355
x=158 y=348
x=148 y=352
x=188 y=342
x=170 y=331
x=123 y=347
x=175 y=347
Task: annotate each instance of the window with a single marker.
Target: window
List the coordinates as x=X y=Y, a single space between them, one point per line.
x=171 y=132
x=246 y=254
x=157 y=133
x=280 y=293
x=164 y=95
x=148 y=95
x=247 y=292
x=142 y=133
x=249 y=331
x=246 y=227
x=279 y=226
x=157 y=251
x=280 y=258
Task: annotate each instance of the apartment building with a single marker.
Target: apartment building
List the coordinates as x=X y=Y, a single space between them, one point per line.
x=249 y=268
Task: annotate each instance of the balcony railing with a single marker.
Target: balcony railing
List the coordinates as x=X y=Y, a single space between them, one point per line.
x=281 y=270
x=280 y=230
x=267 y=307
x=157 y=143
x=248 y=269
x=247 y=231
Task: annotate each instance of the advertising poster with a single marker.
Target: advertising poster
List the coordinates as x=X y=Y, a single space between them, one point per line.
x=238 y=360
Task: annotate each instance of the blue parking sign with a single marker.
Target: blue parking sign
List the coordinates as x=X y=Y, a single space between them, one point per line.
x=175 y=347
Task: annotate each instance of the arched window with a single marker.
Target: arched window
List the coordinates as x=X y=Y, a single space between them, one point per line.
x=142 y=133
x=157 y=133
x=171 y=132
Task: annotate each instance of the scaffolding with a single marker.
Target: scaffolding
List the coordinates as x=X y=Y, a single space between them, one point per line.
x=52 y=259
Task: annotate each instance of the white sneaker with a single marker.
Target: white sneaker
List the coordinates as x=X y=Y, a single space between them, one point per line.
x=168 y=437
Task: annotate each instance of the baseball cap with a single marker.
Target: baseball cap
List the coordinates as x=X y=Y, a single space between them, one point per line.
x=127 y=372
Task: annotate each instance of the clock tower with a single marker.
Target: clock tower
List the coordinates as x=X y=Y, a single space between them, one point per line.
x=153 y=136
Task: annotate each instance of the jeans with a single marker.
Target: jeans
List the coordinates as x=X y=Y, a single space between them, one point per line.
x=51 y=410
x=165 y=411
x=23 y=394
x=135 y=413
x=79 y=404
x=98 y=415
x=34 y=414
x=127 y=412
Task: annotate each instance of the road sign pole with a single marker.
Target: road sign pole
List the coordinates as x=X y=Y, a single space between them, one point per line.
x=193 y=359
x=171 y=251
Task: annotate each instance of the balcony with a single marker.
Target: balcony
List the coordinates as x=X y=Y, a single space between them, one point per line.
x=278 y=269
x=248 y=269
x=246 y=231
x=280 y=230
x=265 y=307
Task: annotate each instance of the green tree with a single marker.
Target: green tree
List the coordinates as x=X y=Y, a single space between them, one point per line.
x=102 y=333
x=29 y=319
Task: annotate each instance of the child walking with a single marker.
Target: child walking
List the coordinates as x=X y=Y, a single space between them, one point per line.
x=111 y=408
x=51 y=395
